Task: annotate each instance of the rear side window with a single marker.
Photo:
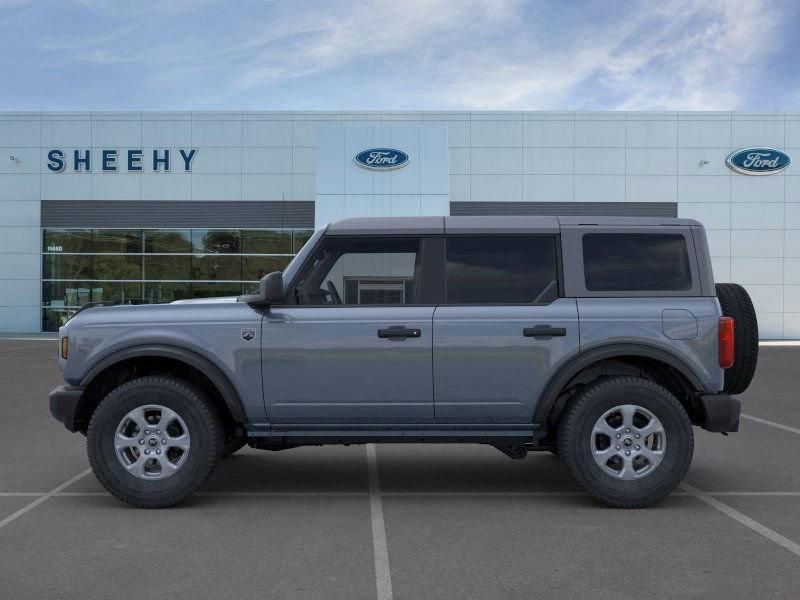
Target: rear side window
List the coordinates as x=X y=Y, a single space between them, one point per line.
x=636 y=262
x=501 y=270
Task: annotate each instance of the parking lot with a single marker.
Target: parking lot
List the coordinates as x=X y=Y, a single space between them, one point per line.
x=399 y=521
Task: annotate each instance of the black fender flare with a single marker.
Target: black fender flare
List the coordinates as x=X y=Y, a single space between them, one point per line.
x=587 y=358
x=229 y=394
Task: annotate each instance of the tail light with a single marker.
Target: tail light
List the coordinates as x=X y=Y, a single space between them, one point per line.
x=725 y=340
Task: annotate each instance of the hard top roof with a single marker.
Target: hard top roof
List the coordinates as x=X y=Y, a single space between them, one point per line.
x=488 y=224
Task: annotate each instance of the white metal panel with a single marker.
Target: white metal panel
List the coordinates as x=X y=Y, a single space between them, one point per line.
x=651 y=188
x=15 y=240
x=761 y=132
x=757 y=216
x=548 y=161
x=599 y=188
x=704 y=188
x=600 y=161
x=218 y=186
x=660 y=133
x=757 y=270
x=547 y=188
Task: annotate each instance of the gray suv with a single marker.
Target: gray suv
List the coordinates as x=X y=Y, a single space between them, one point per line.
x=602 y=340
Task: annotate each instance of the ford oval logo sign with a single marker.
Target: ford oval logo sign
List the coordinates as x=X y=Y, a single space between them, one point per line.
x=758 y=161
x=381 y=159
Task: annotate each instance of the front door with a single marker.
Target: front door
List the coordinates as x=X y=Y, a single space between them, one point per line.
x=356 y=348
x=502 y=330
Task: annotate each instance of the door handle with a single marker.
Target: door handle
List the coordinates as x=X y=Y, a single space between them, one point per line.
x=544 y=331
x=398 y=332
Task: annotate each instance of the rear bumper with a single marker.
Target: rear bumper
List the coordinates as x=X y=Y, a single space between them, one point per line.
x=65 y=402
x=721 y=412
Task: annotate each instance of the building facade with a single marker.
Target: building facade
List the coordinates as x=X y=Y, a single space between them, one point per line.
x=153 y=207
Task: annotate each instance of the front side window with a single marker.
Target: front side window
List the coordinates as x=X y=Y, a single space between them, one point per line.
x=361 y=272
x=501 y=270
x=615 y=262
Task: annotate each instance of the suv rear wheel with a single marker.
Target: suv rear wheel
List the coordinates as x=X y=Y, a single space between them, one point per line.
x=153 y=441
x=626 y=440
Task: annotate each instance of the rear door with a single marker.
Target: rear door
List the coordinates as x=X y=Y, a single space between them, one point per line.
x=502 y=329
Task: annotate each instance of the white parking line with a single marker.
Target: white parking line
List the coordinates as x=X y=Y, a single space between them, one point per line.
x=759 y=528
x=42 y=498
x=771 y=423
x=383 y=578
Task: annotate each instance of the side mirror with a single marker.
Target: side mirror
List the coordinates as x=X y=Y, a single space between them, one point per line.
x=271 y=287
x=270 y=291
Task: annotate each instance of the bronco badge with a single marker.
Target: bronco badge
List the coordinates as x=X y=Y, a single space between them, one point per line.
x=248 y=334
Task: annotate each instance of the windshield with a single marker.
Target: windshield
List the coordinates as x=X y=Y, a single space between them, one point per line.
x=291 y=269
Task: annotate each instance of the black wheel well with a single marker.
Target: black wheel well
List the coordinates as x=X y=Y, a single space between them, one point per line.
x=636 y=366
x=132 y=368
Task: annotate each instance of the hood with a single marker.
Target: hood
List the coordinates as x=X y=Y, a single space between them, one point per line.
x=206 y=300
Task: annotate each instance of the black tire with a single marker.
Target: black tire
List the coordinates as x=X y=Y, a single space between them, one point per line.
x=575 y=437
x=735 y=302
x=233 y=444
x=201 y=419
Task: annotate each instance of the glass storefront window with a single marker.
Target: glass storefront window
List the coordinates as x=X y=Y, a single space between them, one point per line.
x=300 y=237
x=164 y=266
x=158 y=241
x=67 y=240
x=123 y=241
x=133 y=266
x=266 y=242
x=67 y=266
x=157 y=292
x=228 y=241
x=216 y=268
x=117 y=266
x=255 y=267
x=214 y=289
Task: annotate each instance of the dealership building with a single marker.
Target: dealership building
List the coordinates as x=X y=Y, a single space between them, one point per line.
x=139 y=207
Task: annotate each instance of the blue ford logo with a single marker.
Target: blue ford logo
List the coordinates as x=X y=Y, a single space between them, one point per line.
x=758 y=161
x=381 y=159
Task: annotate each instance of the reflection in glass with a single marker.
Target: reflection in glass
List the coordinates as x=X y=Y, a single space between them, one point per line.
x=255 y=267
x=155 y=292
x=265 y=241
x=117 y=240
x=67 y=240
x=66 y=266
x=301 y=236
x=117 y=267
x=212 y=290
x=216 y=240
x=168 y=267
x=216 y=267
x=168 y=240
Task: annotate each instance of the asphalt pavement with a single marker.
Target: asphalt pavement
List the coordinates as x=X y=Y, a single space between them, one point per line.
x=399 y=521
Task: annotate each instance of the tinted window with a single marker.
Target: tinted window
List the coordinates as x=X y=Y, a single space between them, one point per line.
x=636 y=262
x=362 y=271
x=501 y=270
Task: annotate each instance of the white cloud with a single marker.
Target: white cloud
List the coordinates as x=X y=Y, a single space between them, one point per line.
x=472 y=54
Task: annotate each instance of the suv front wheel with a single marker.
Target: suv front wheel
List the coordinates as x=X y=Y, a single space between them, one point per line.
x=153 y=441
x=626 y=440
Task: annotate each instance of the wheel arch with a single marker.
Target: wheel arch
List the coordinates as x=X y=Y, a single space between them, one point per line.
x=169 y=357
x=635 y=356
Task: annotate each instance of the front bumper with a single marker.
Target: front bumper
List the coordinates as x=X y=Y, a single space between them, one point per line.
x=721 y=412
x=65 y=404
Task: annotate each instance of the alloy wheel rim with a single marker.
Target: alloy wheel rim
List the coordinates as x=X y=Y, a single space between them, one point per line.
x=152 y=442
x=628 y=442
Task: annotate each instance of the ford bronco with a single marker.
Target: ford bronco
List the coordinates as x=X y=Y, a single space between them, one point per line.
x=603 y=340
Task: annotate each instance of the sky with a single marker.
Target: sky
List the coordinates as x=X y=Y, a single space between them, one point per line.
x=400 y=55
